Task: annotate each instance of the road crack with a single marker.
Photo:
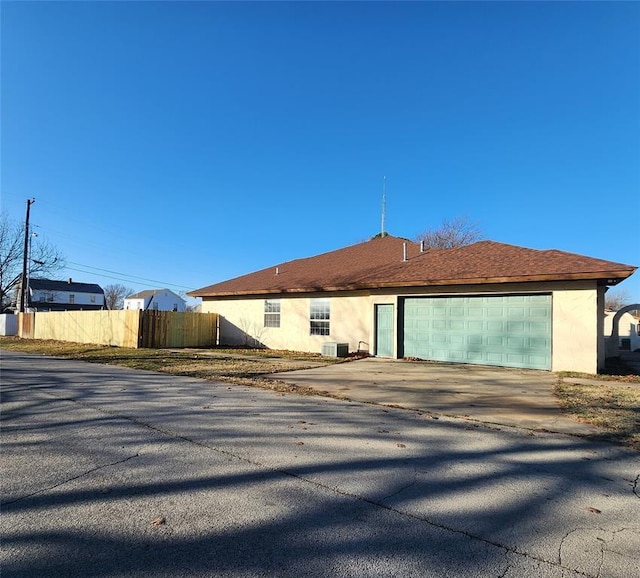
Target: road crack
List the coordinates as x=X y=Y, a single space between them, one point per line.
x=54 y=486
x=403 y=488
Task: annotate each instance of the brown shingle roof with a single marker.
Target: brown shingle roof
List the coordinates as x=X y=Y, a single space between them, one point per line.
x=379 y=263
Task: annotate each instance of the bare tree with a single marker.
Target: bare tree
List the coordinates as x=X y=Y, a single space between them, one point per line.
x=44 y=259
x=456 y=232
x=115 y=294
x=189 y=307
x=616 y=299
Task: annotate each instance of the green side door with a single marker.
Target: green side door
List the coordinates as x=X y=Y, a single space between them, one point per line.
x=384 y=330
x=505 y=330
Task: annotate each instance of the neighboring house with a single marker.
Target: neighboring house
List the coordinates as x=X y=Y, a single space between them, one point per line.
x=628 y=330
x=156 y=300
x=485 y=303
x=49 y=295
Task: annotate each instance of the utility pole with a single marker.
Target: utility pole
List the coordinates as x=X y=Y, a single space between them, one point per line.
x=25 y=258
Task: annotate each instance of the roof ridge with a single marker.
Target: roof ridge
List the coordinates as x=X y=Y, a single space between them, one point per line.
x=382 y=262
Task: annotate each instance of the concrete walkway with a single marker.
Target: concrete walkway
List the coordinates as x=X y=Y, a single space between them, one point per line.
x=511 y=397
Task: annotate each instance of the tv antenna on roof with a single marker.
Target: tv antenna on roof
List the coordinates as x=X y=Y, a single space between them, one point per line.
x=384 y=205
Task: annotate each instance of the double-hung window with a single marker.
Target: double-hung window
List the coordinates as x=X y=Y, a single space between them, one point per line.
x=320 y=316
x=272 y=312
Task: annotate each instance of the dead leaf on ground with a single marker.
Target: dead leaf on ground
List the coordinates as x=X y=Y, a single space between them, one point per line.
x=401 y=445
x=158 y=521
x=593 y=510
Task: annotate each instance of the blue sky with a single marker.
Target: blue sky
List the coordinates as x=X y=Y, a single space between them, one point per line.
x=182 y=144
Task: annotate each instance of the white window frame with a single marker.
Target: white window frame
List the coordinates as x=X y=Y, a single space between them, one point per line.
x=320 y=317
x=272 y=313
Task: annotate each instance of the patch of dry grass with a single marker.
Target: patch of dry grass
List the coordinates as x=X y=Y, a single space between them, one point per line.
x=611 y=405
x=206 y=364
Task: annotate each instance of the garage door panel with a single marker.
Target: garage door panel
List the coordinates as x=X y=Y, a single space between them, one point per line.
x=508 y=330
x=474 y=357
x=494 y=358
x=538 y=312
x=495 y=341
x=544 y=299
x=517 y=342
x=516 y=360
x=496 y=312
x=475 y=340
x=516 y=327
x=539 y=343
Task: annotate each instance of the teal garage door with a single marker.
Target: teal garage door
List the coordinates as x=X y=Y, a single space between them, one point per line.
x=506 y=330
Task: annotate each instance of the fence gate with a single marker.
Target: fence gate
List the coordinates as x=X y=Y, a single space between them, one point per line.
x=26 y=325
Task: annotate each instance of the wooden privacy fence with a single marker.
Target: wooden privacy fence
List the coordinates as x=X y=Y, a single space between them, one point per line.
x=26 y=325
x=173 y=329
x=125 y=328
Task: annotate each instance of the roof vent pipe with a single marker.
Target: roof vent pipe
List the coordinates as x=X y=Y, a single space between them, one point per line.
x=277 y=270
x=404 y=252
x=422 y=246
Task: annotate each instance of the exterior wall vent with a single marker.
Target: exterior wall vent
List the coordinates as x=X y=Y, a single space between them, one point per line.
x=333 y=349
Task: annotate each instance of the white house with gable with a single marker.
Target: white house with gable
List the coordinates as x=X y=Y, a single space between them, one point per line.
x=156 y=300
x=52 y=295
x=628 y=330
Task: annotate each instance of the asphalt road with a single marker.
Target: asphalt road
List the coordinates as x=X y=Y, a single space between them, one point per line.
x=247 y=482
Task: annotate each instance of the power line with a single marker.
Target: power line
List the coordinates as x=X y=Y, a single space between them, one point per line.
x=124 y=276
x=97 y=270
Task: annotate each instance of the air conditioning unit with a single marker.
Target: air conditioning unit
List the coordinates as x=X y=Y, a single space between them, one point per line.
x=333 y=349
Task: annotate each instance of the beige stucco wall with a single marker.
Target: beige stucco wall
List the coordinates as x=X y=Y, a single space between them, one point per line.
x=578 y=314
x=575 y=330
x=242 y=323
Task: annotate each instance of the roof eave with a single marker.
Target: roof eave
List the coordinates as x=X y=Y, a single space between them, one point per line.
x=604 y=277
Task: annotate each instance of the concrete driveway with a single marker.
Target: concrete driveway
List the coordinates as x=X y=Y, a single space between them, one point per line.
x=512 y=397
x=112 y=472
